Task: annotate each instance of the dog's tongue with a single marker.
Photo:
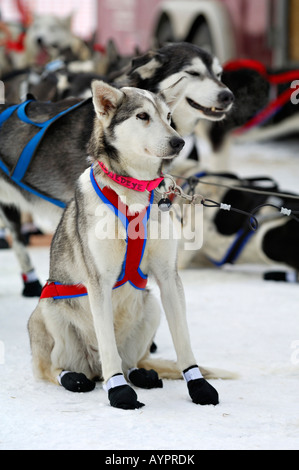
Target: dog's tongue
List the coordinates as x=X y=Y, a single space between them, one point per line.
x=42 y=57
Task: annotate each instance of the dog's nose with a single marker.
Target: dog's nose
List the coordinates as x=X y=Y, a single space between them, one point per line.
x=177 y=143
x=226 y=97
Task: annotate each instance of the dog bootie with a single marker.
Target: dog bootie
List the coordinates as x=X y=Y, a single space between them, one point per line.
x=200 y=391
x=75 y=382
x=120 y=394
x=145 y=378
x=32 y=286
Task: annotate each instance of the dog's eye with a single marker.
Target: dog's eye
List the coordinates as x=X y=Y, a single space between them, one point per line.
x=219 y=75
x=193 y=73
x=143 y=116
x=168 y=116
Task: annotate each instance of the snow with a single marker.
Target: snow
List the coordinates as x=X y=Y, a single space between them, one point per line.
x=238 y=322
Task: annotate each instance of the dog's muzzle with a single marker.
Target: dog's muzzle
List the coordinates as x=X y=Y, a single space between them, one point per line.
x=225 y=100
x=176 y=143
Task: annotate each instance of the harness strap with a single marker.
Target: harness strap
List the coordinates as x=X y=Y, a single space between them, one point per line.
x=56 y=290
x=29 y=150
x=136 y=230
x=236 y=248
x=136 y=236
x=19 y=170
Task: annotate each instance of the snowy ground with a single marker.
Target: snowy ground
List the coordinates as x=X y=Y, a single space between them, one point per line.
x=238 y=322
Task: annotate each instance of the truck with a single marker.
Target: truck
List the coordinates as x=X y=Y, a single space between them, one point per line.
x=263 y=30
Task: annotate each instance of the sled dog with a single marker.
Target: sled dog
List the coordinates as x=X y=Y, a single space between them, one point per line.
x=48 y=36
x=96 y=318
x=61 y=156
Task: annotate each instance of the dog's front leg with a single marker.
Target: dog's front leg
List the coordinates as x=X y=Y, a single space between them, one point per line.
x=120 y=394
x=173 y=300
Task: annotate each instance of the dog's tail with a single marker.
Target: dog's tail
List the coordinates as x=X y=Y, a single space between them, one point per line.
x=169 y=370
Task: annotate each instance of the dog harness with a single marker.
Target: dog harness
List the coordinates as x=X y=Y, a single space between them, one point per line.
x=18 y=172
x=277 y=103
x=136 y=236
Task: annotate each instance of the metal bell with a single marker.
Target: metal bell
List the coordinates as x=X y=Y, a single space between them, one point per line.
x=164 y=204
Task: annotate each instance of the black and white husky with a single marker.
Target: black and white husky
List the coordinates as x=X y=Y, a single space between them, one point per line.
x=95 y=317
x=61 y=158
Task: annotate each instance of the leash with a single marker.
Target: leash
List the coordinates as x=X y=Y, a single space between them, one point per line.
x=19 y=170
x=176 y=190
x=245 y=233
x=195 y=198
x=274 y=79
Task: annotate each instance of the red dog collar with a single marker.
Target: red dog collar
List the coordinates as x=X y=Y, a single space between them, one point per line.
x=131 y=183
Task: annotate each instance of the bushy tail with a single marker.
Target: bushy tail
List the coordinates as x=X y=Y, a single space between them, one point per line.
x=169 y=370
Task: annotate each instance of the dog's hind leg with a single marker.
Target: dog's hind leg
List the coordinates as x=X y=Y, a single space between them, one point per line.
x=12 y=220
x=41 y=343
x=51 y=357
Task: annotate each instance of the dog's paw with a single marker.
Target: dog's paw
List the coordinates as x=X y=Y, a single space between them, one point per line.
x=124 y=397
x=202 y=393
x=145 y=378
x=32 y=289
x=75 y=382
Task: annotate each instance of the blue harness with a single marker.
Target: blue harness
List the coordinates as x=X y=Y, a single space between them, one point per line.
x=237 y=246
x=18 y=172
x=135 y=246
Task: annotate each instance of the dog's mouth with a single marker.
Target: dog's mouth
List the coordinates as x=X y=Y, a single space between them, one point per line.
x=43 y=56
x=210 y=112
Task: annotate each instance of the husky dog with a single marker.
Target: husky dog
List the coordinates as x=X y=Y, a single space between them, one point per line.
x=205 y=96
x=262 y=111
x=61 y=157
x=107 y=332
x=48 y=36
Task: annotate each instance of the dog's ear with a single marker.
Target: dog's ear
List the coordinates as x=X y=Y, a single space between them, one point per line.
x=146 y=65
x=105 y=98
x=68 y=20
x=173 y=93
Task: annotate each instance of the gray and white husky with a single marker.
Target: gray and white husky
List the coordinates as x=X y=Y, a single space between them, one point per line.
x=108 y=332
x=61 y=157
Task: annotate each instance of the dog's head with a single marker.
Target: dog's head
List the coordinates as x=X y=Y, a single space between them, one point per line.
x=133 y=126
x=204 y=97
x=47 y=36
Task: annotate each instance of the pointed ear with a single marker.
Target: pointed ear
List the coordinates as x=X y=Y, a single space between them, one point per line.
x=105 y=99
x=68 y=21
x=146 y=65
x=173 y=93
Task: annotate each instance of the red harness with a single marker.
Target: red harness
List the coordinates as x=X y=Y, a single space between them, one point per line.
x=274 y=79
x=136 y=230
